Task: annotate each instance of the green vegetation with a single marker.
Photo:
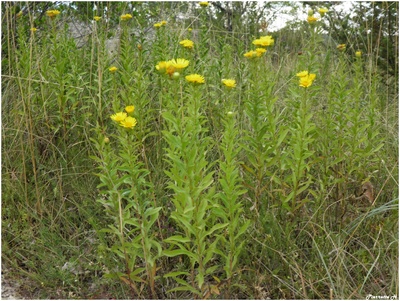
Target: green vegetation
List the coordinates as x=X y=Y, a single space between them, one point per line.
x=238 y=164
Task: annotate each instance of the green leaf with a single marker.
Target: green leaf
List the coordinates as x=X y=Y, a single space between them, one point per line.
x=175 y=274
x=174 y=253
x=177 y=238
x=214 y=228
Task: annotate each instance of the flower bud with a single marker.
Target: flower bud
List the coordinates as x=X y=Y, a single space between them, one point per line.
x=175 y=75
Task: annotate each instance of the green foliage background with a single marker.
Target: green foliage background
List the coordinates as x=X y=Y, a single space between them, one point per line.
x=275 y=174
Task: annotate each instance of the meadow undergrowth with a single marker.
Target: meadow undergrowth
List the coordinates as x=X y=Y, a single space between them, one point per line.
x=193 y=162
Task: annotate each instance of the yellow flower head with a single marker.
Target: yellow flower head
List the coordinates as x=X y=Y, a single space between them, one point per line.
x=126 y=17
x=341 y=47
x=118 y=117
x=204 y=4
x=302 y=73
x=322 y=11
x=129 y=122
x=251 y=54
x=97 y=18
x=113 y=69
x=264 y=41
x=187 y=44
x=52 y=13
x=358 y=53
x=33 y=29
x=129 y=109
x=312 y=19
x=260 y=51
x=179 y=63
x=195 y=79
x=160 y=24
x=306 y=81
x=229 y=83
x=162 y=66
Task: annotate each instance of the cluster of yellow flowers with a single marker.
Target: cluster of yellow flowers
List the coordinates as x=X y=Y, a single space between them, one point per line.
x=306 y=79
x=311 y=19
x=123 y=119
x=187 y=44
x=126 y=17
x=263 y=42
x=97 y=18
x=160 y=24
x=113 y=69
x=172 y=66
x=255 y=53
x=52 y=13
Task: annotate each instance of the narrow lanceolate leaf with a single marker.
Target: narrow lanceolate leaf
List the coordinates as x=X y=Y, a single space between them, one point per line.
x=177 y=238
x=214 y=228
x=173 y=253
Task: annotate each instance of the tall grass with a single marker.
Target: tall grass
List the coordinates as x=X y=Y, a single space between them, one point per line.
x=265 y=189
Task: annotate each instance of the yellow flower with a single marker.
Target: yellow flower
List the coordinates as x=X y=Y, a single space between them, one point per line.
x=118 y=117
x=302 y=73
x=52 y=13
x=312 y=19
x=97 y=18
x=251 y=54
x=187 y=44
x=306 y=81
x=129 y=122
x=33 y=29
x=190 y=29
x=112 y=69
x=260 y=51
x=204 y=4
x=264 y=41
x=179 y=63
x=229 y=83
x=341 y=47
x=160 y=24
x=358 y=53
x=322 y=11
x=20 y=13
x=195 y=79
x=162 y=66
x=129 y=109
x=126 y=17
